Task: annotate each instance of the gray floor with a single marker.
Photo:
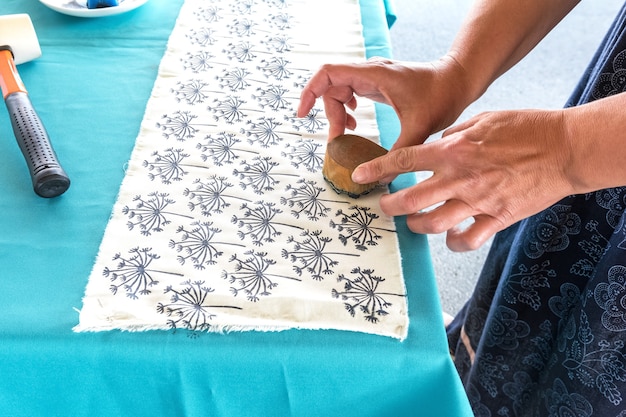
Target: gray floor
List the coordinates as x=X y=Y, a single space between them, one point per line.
x=544 y=79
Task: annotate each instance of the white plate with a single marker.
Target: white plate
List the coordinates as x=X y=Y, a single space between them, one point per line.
x=79 y=7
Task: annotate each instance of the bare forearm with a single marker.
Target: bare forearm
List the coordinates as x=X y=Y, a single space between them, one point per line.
x=499 y=33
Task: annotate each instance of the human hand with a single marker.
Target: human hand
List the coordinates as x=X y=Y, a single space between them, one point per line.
x=426 y=97
x=496 y=168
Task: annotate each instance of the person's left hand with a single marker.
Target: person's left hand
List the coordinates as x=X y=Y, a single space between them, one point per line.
x=496 y=168
x=427 y=97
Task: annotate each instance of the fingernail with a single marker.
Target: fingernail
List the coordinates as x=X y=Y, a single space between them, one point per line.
x=358 y=175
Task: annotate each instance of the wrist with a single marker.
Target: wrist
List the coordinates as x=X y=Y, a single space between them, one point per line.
x=595 y=136
x=466 y=87
x=451 y=89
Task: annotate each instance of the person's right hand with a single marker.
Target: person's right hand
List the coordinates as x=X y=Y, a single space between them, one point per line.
x=426 y=97
x=496 y=168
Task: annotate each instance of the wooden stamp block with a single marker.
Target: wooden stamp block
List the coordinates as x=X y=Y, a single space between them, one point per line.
x=343 y=155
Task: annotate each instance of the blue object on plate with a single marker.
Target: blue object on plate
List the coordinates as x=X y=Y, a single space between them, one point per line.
x=97 y=4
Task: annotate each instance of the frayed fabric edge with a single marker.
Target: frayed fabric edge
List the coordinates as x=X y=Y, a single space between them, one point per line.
x=217 y=329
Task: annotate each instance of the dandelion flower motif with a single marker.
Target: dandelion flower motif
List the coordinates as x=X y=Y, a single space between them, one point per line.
x=210 y=196
x=258 y=223
x=169 y=166
x=305 y=198
x=235 y=79
x=192 y=92
x=358 y=228
x=273 y=96
x=243 y=7
x=278 y=43
x=251 y=275
x=264 y=132
x=312 y=123
x=362 y=293
x=208 y=14
x=199 y=62
x=275 y=68
x=310 y=255
x=179 y=125
x=242 y=28
x=241 y=52
x=189 y=308
x=203 y=37
x=133 y=273
x=258 y=174
x=281 y=21
x=150 y=214
x=229 y=110
x=198 y=244
x=221 y=148
x=305 y=153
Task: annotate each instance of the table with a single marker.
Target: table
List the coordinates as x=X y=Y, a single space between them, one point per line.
x=90 y=87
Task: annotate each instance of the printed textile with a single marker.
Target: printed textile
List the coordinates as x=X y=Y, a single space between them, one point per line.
x=544 y=331
x=223 y=220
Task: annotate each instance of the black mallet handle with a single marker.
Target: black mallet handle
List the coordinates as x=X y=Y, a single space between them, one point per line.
x=49 y=178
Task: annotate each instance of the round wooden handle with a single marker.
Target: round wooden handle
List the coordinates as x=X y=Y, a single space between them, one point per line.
x=343 y=155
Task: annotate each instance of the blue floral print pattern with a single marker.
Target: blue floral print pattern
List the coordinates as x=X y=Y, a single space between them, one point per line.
x=506 y=329
x=613 y=81
x=552 y=231
x=561 y=403
x=544 y=332
x=611 y=298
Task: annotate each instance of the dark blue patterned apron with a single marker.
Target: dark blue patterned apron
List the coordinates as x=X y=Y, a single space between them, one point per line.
x=544 y=332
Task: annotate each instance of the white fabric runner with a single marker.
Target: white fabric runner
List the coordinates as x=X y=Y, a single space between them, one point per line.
x=224 y=221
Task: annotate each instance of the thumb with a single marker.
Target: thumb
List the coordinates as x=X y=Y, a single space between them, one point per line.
x=379 y=169
x=397 y=161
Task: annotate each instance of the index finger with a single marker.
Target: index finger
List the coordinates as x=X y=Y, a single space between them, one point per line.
x=326 y=78
x=336 y=99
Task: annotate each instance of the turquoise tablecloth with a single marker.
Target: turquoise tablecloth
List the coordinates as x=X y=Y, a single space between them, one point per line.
x=91 y=86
